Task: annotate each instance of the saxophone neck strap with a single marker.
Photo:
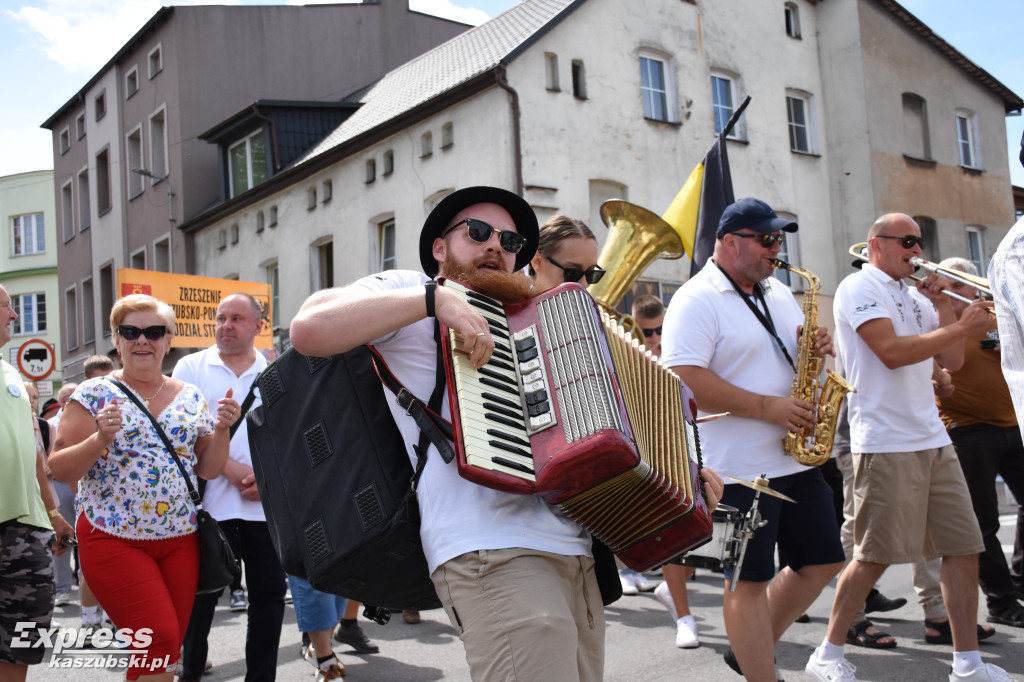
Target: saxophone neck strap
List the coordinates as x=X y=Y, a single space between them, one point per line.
x=765 y=318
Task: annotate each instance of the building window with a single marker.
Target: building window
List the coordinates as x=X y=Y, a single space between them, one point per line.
x=100 y=105
x=325 y=265
x=447 y=135
x=108 y=286
x=28 y=235
x=88 y=310
x=916 y=142
x=248 y=161
x=80 y=125
x=965 y=138
x=311 y=198
x=652 y=87
x=222 y=239
x=389 y=162
x=976 y=249
x=67 y=211
x=233 y=233
x=158 y=144
x=162 y=254
x=551 y=71
x=260 y=221
x=156 y=61
x=273 y=216
x=131 y=82
x=31 y=310
x=930 y=234
x=789 y=252
x=426 y=144
x=579 y=87
x=273 y=279
x=371 y=170
x=71 y=317
x=133 y=149
x=328 y=191
x=137 y=260
x=798 y=114
x=386 y=246
x=723 y=102
x=792 y=20
x=65 y=140
x=103 y=202
x=84 y=207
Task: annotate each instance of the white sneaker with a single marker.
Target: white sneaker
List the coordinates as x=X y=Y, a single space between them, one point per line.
x=63 y=599
x=628 y=584
x=330 y=670
x=839 y=670
x=986 y=672
x=664 y=595
x=642 y=583
x=686 y=633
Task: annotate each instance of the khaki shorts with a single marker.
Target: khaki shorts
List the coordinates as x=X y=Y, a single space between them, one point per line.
x=910 y=505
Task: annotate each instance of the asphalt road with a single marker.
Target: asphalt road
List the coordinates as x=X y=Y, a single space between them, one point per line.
x=639 y=643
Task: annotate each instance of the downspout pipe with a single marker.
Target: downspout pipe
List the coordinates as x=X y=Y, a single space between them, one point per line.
x=513 y=96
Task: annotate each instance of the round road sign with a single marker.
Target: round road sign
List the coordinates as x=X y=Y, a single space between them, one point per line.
x=36 y=359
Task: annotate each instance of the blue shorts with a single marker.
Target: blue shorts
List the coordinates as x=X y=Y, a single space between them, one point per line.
x=806 y=532
x=315 y=610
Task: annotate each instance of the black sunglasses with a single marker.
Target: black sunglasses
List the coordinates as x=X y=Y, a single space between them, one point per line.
x=130 y=332
x=651 y=332
x=593 y=274
x=906 y=242
x=767 y=240
x=480 y=232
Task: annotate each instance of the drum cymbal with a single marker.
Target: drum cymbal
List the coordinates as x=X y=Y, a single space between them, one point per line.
x=761 y=484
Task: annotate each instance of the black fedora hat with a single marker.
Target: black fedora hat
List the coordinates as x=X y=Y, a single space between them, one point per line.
x=522 y=215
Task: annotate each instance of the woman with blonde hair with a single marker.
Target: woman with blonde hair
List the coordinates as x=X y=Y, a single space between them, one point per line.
x=136 y=524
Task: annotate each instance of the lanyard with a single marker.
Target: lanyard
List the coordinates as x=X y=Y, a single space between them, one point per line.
x=764 y=318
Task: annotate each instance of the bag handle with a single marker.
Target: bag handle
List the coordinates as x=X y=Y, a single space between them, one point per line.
x=192 y=493
x=250 y=398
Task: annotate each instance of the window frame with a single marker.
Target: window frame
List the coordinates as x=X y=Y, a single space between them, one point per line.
x=970 y=126
x=792 y=19
x=67 y=211
x=71 y=317
x=136 y=182
x=808 y=127
x=80 y=125
x=84 y=200
x=975 y=236
x=131 y=77
x=39 y=321
x=387 y=252
x=99 y=105
x=247 y=141
x=666 y=93
x=38 y=227
x=735 y=90
x=159 y=53
x=158 y=142
x=65 y=140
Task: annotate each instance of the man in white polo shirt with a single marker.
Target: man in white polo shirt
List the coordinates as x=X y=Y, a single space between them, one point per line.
x=910 y=498
x=730 y=333
x=232 y=497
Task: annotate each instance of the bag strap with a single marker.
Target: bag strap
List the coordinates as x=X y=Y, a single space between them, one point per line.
x=192 y=493
x=250 y=398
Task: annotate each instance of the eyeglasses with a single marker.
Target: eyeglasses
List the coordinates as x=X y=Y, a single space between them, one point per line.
x=906 y=242
x=651 y=332
x=480 y=232
x=767 y=240
x=130 y=332
x=593 y=274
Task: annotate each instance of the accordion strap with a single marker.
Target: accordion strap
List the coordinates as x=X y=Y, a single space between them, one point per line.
x=433 y=428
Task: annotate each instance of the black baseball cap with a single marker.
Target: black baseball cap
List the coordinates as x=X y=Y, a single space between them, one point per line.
x=752 y=214
x=522 y=214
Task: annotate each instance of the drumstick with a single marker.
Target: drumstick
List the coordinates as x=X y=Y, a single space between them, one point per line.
x=711 y=417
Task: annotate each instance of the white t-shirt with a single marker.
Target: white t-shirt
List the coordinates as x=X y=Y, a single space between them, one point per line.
x=459 y=516
x=708 y=325
x=206 y=370
x=893 y=410
x=1007 y=275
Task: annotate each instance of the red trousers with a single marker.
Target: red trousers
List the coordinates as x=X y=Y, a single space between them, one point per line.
x=143 y=584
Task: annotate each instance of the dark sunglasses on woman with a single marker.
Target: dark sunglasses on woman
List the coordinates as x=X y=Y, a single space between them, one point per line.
x=480 y=232
x=906 y=242
x=593 y=274
x=130 y=332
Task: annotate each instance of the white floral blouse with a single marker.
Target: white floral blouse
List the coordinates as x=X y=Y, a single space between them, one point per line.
x=135 y=490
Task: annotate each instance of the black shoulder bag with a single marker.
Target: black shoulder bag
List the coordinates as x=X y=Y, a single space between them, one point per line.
x=217 y=565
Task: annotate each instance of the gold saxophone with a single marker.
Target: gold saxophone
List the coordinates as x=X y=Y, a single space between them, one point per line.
x=813 y=449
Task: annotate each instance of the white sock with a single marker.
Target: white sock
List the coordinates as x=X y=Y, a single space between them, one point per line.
x=91 y=614
x=829 y=651
x=966 y=661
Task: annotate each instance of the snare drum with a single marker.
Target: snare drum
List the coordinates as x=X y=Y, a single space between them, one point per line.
x=722 y=551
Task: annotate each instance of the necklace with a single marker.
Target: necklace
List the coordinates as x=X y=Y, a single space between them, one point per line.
x=163 y=380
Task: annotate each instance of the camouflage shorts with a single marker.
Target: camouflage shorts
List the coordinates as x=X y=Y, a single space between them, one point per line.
x=26 y=588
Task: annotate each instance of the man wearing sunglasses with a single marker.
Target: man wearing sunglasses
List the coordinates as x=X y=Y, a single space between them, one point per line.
x=910 y=498
x=515 y=576
x=731 y=334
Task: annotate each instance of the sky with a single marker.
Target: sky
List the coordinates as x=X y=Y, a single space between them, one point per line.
x=49 y=49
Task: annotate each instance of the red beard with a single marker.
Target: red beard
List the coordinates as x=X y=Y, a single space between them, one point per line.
x=507 y=287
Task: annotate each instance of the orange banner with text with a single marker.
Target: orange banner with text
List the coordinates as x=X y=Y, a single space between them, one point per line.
x=195 y=300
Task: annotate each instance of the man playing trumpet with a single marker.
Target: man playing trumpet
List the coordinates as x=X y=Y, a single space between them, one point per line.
x=910 y=496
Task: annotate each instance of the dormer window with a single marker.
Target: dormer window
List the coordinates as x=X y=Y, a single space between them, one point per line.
x=247 y=163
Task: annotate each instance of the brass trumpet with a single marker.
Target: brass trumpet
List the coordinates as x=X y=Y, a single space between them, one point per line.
x=859 y=251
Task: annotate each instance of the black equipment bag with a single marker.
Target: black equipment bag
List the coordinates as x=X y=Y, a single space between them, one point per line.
x=336 y=482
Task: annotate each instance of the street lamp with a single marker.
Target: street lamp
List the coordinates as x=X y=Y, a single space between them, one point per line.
x=170 y=190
